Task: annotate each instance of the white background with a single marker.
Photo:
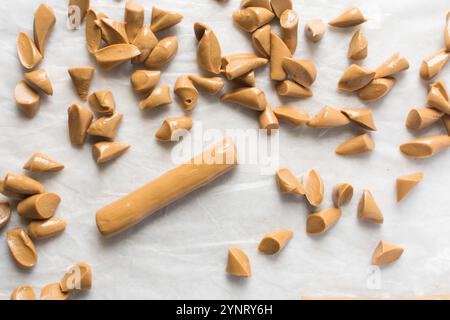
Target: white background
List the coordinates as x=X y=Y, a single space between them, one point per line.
x=181 y=252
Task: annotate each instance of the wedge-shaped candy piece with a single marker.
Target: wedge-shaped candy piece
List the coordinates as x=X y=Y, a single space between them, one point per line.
x=23 y=293
x=39 y=207
x=358 y=47
x=185 y=90
x=313 y=185
x=355 y=78
x=145 y=41
x=134 y=19
x=376 y=89
x=289 y=27
x=27 y=51
x=261 y=41
x=319 y=222
x=160 y=96
x=314 y=30
x=105 y=127
x=235 y=66
x=39 y=80
x=209 y=52
x=78 y=277
x=247 y=80
x=53 y=292
x=425 y=147
x=82 y=78
x=253 y=98
x=83 y=7
x=446 y=120
x=9 y=194
x=421 y=118
x=173 y=128
x=433 y=64
x=116 y=54
x=351 y=17
x=362 y=117
x=278 y=52
x=359 y=144
x=5 y=213
x=252 y=18
x=437 y=100
x=342 y=194
x=46 y=229
x=238 y=264
x=395 y=64
x=274 y=242
x=163 y=53
x=113 y=31
x=256 y=3
x=79 y=120
x=440 y=85
x=39 y=162
x=289 y=88
x=143 y=81
x=27 y=99
x=44 y=20
x=212 y=85
x=368 y=209
x=93 y=32
x=288 y=182
x=447 y=32
x=162 y=20
x=291 y=115
x=24 y=185
x=406 y=183
x=303 y=72
x=107 y=151
x=386 y=253
x=328 y=117
x=21 y=248
x=279 y=6
x=268 y=121
x=102 y=102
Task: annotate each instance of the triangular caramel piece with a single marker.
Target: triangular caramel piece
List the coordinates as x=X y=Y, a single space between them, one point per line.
x=386 y=253
x=238 y=263
x=38 y=79
x=82 y=78
x=39 y=162
x=368 y=209
x=406 y=183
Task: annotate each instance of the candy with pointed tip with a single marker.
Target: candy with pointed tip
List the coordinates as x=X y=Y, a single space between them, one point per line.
x=289 y=27
x=78 y=277
x=421 y=118
x=362 y=117
x=314 y=189
x=79 y=120
x=425 y=147
x=143 y=81
x=437 y=100
x=5 y=213
x=359 y=144
x=173 y=128
x=274 y=242
x=44 y=21
x=235 y=66
x=351 y=17
x=447 y=32
x=108 y=150
x=186 y=91
x=246 y=80
x=93 y=32
x=160 y=96
x=314 y=30
x=256 y=3
x=39 y=162
x=440 y=85
x=83 y=6
x=238 y=264
x=209 y=53
x=261 y=41
x=289 y=88
x=376 y=89
x=105 y=127
x=358 y=47
x=279 y=6
x=288 y=182
x=39 y=207
x=328 y=117
x=9 y=194
x=319 y=222
x=38 y=79
x=27 y=99
x=278 y=52
x=268 y=121
x=113 y=31
x=355 y=78
x=386 y=253
x=23 y=185
x=252 y=97
x=162 y=19
x=23 y=293
x=53 y=292
x=46 y=229
x=102 y=102
x=212 y=85
x=27 y=51
x=116 y=54
x=368 y=208
x=342 y=194
x=433 y=64
x=145 y=41
x=406 y=183
x=21 y=248
x=252 y=18
x=81 y=79
x=303 y=72
x=291 y=115
x=134 y=19
x=163 y=53
x=395 y=64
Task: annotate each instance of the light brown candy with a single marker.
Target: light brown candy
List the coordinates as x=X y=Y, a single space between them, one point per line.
x=279 y=6
x=288 y=182
x=21 y=248
x=46 y=229
x=114 y=55
x=209 y=53
x=247 y=80
x=437 y=99
x=406 y=183
x=357 y=145
x=289 y=88
x=440 y=85
x=5 y=213
x=362 y=117
x=24 y=185
x=351 y=17
x=368 y=209
x=355 y=78
x=93 y=32
x=79 y=120
x=358 y=47
x=163 y=53
x=289 y=28
x=253 y=98
x=53 y=292
x=39 y=207
x=39 y=162
x=421 y=118
x=143 y=81
x=78 y=277
x=83 y=6
x=314 y=190
x=238 y=264
x=395 y=64
x=268 y=121
x=23 y=293
x=185 y=90
x=291 y=115
x=328 y=117
x=320 y=222
x=376 y=89
x=342 y=194
x=27 y=99
x=256 y=3
x=102 y=102
x=212 y=85
x=134 y=19
x=447 y=32
x=274 y=242
x=107 y=151
x=433 y=64
x=162 y=20
x=261 y=41
x=314 y=30
x=160 y=96
x=145 y=41
x=278 y=51
x=44 y=21
x=446 y=121
x=252 y=18
x=105 y=127
x=82 y=78
x=386 y=253
x=9 y=194
x=425 y=147
x=27 y=51
x=39 y=80
x=173 y=128
x=235 y=66
x=303 y=72
x=113 y=31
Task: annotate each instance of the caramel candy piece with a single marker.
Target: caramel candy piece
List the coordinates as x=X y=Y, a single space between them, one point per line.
x=164 y=52
x=433 y=64
x=212 y=85
x=235 y=66
x=261 y=41
x=143 y=81
x=38 y=79
x=386 y=253
x=78 y=277
x=27 y=51
x=145 y=41
x=247 y=80
x=395 y=64
x=93 y=32
x=39 y=162
x=134 y=19
x=168 y=188
x=278 y=51
x=289 y=27
x=268 y=121
x=44 y=21
x=406 y=183
x=79 y=119
x=23 y=293
x=27 y=99
x=5 y=213
x=46 y=229
x=209 y=53
x=105 y=127
x=446 y=120
x=362 y=117
x=159 y=96
x=438 y=100
x=113 y=32
x=440 y=85
x=252 y=18
x=21 y=248
x=356 y=145
x=357 y=49
x=102 y=102
x=185 y=90
x=253 y=98
x=351 y=17
x=238 y=264
x=289 y=88
x=82 y=78
x=313 y=185
x=9 y=194
x=342 y=194
x=368 y=209
x=24 y=185
x=291 y=115
x=355 y=78
x=274 y=242
x=83 y=6
x=107 y=151
x=314 y=30
x=288 y=182
x=116 y=54
x=279 y=6
x=162 y=20
x=173 y=128
x=319 y=222
x=425 y=147
x=39 y=207
x=376 y=89
x=303 y=72
x=328 y=117
x=256 y=3
x=422 y=118
x=447 y=32
x=53 y=292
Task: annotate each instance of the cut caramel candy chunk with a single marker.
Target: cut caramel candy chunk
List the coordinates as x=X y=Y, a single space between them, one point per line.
x=209 y=52
x=289 y=27
x=46 y=229
x=256 y=3
x=23 y=293
x=238 y=264
x=23 y=185
x=268 y=121
x=252 y=18
x=39 y=162
x=288 y=182
x=261 y=41
x=27 y=99
x=314 y=30
x=143 y=81
x=274 y=242
x=9 y=194
x=106 y=127
x=185 y=90
x=79 y=120
x=212 y=85
x=386 y=253
x=291 y=115
x=437 y=100
x=357 y=145
x=247 y=80
x=351 y=17
x=328 y=117
x=116 y=54
x=102 y=102
x=342 y=194
x=425 y=147
x=39 y=80
x=134 y=19
x=395 y=64
x=82 y=78
x=163 y=53
x=27 y=51
x=160 y=96
x=162 y=20
x=83 y=6
x=376 y=89
x=78 y=277
x=53 y=292
x=173 y=128
x=21 y=248
x=406 y=183
x=433 y=64
x=303 y=72
x=313 y=185
x=253 y=98
x=278 y=52
x=93 y=32
x=355 y=78
x=279 y=6
x=107 y=151
x=39 y=207
x=5 y=213
x=422 y=118
x=446 y=120
x=113 y=32
x=358 y=47
x=235 y=66
x=319 y=222
x=44 y=21
x=145 y=41
x=362 y=117
x=368 y=209
x=440 y=85
x=289 y=88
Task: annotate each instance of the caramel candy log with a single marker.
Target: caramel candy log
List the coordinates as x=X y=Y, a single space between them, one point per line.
x=107 y=151
x=303 y=72
x=27 y=99
x=386 y=253
x=279 y=6
x=425 y=147
x=143 y=81
x=274 y=242
x=82 y=78
x=256 y=3
x=236 y=66
x=422 y=118
x=114 y=55
x=93 y=32
x=278 y=51
x=19 y=184
x=5 y=213
x=261 y=41
x=252 y=18
x=78 y=277
x=359 y=144
x=289 y=27
x=362 y=117
x=113 y=32
x=268 y=121
x=314 y=190
x=39 y=162
x=212 y=85
x=46 y=229
x=106 y=127
x=79 y=119
x=314 y=30
x=39 y=207
x=437 y=99
x=406 y=183
x=288 y=182
x=173 y=128
x=238 y=264
x=162 y=20
x=355 y=78
x=159 y=96
x=368 y=209
x=39 y=80
x=291 y=115
x=21 y=248
x=145 y=41
x=185 y=90
x=102 y=102
x=395 y=64
x=319 y=222
x=376 y=89
x=433 y=64
x=209 y=53
x=53 y=292
x=168 y=188
x=351 y=17
x=134 y=19
x=253 y=98
x=23 y=293
x=358 y=46
x=328 y=117
x=44 y=21
x=342 y=194
x=29 y=55
x=163 y=53
x=289 y=88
